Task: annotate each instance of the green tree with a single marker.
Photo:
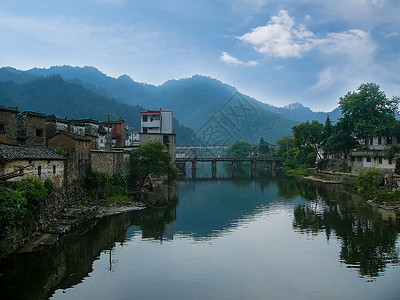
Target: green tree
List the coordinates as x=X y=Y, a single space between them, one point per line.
x=264 y=148
x=152 y=159
x=327 y=131
x=285 y=144
x=369 y=112
x=308 y=134
x=238 y=149
x=339 y=142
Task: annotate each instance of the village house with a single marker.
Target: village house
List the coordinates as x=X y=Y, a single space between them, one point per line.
x=22 y=161
x=157 y=125
x=8 y=125
x=77 y=150
x=31 y=129
x=374 y=154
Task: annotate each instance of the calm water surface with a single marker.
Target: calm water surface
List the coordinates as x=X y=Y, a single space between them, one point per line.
x=271 y=238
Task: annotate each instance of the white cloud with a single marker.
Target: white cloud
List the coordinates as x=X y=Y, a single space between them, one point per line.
x=226 y=58
x=282 y=38
x=326 y=79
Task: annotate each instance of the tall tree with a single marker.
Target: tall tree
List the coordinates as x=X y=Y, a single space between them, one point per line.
x=369 y=112
x=308 y=134
x=152 y=159
x=239 y=149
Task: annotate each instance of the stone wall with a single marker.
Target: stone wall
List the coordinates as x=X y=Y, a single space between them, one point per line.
x=110 y=162
x=8 y=125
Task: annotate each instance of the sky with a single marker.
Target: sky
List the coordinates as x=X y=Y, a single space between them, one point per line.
x=276 y=51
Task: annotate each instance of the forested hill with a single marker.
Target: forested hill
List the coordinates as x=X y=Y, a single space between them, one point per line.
x=195 y=101
x=53 y=95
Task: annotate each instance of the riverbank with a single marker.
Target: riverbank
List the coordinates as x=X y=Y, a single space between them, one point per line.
x=71 y=218
x=337 y=178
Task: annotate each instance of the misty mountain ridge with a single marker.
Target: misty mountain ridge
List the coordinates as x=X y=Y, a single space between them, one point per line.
x=195 y=101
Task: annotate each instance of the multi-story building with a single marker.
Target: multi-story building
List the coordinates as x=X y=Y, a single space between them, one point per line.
x=157 y=121
x=157 y=125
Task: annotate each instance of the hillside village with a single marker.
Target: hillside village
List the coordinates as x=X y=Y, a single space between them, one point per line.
x=27 y=141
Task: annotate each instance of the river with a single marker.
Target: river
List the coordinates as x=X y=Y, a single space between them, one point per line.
x=264 y=238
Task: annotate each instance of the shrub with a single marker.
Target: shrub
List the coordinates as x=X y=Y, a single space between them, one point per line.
x=12 y=210
x=369 y=182
x=33 y=190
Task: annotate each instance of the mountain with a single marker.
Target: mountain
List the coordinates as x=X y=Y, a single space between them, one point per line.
x=298 y=112
x=54 y=95
x=199 y=102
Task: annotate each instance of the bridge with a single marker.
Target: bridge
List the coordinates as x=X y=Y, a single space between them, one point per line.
x=181 y=163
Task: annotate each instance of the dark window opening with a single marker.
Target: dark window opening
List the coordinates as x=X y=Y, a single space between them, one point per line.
x=371 y=141
x=390 y=161
x=166 y=139
x=2 y=128
x=368 y=159
x=145 y=130
x=379 y=140
x=54 y=169
x=359 y=158
x=380 y=160
x=39 y=132
x=144 y=118
x=39 y=170
x=389 y=140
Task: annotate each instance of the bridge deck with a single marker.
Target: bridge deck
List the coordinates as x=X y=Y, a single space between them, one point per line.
x=226 y=159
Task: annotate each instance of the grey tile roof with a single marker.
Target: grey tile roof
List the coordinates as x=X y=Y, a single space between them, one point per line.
x=10 y=153
x=72 y=136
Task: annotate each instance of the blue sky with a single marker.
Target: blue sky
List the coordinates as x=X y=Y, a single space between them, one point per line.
x=279 y=52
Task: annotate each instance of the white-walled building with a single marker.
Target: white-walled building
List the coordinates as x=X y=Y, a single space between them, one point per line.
x=157 y=125
x=157 y=121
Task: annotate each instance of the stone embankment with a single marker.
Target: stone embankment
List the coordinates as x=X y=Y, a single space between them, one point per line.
x=72 y=217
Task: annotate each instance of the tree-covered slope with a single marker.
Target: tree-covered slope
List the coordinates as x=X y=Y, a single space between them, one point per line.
x=53 y=95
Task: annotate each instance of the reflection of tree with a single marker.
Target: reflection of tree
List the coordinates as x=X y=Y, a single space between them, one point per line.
x=368 y=242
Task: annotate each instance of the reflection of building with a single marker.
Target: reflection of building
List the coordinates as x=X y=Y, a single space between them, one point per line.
x=157 y=125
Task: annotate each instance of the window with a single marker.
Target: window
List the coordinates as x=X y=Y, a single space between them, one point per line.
x=144 y=118
x=39 y=170
x=39 y=132
x=166 y=139
x=379 y=140
x=389 y=140
x=371 y=141
x=380 y=160
x=2 y=128
x=54 y=169
x=368 y=159
x=390 y=161
x=359 y=158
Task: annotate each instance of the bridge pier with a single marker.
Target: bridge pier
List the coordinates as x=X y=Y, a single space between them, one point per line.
x=214 y=169
x=253 y=168
x=234 y=168
x=194 y=169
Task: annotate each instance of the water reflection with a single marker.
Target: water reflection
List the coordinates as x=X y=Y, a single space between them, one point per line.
x=368 y=242
x=212 y=210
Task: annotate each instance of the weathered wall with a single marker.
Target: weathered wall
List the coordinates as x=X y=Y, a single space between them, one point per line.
x=110 y=162
x=171 y=144
x=43 y=169
x=8 y=122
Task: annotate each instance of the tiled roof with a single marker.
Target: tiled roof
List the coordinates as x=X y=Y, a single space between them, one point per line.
x=72 y=135
x=10 y=153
